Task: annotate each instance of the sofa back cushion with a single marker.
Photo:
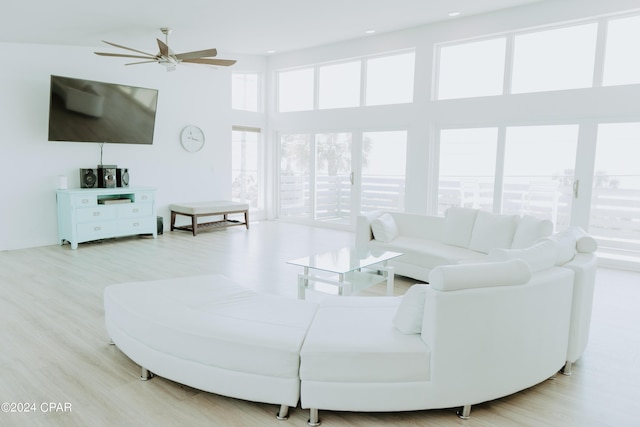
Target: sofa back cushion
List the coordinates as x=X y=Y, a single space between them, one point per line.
x=384 y=228
x=492 y=231
x=458 y=225
x=480 y=275
x=529 y=230
x=408 y=318
x=540 y=256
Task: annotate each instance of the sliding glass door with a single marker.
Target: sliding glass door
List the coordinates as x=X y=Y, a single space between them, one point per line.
x=331 y=177
x=615 y=199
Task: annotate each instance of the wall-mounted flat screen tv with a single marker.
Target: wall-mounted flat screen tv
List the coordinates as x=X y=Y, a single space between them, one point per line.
x=90 y=111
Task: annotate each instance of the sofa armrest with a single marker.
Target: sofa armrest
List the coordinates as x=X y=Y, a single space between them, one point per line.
x=476 y=335
x=584 y=268
x=363 y=229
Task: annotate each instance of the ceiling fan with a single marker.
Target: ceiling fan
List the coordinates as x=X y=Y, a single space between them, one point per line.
x=168 y=58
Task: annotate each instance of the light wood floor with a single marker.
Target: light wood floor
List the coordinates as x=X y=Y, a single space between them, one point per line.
x=54 y=347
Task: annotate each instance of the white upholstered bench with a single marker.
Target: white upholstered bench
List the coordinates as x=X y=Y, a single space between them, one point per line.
x=212 y=208
x=208 y=333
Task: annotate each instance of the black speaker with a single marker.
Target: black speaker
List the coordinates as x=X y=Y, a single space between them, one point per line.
x=107 y=176
x=88 y=178
x=122 y=177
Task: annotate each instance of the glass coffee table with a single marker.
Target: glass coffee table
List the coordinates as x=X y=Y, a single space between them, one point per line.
x=347 y=269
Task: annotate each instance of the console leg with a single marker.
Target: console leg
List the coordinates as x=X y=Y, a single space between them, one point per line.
x=465 y=412
x=566 y=369
x=314 y=420
x=283 y=414
x=146 y=374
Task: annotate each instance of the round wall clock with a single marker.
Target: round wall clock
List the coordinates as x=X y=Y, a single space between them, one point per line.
x=192 y=138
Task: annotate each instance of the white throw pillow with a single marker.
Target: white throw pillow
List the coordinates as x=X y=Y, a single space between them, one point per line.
x=482 y=275
x=540 y=256
x=530 y=230
x=458 y=225
x=408 y=318
x=384 y=228
x=492 y=231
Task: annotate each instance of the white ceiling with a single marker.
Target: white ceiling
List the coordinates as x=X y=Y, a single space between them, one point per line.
x=238 y=26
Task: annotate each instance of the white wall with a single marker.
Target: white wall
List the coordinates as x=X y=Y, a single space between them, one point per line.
x=30 y=164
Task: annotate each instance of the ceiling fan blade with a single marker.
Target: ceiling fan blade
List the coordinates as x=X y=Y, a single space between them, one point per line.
x=220 y=62
x=128 y=48
x=164 y=49
x=121 y=55
x=143 y=62
x=197 y=54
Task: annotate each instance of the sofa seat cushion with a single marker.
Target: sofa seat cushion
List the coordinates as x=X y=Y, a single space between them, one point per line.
x=210 y=320
x=427 y=253
x=353 y=340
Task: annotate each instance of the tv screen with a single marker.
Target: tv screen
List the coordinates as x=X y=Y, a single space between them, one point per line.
x=89 y=111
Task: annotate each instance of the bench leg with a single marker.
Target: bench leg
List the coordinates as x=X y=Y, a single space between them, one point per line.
x=173 y=220
x=194 y=224
x=246 y=219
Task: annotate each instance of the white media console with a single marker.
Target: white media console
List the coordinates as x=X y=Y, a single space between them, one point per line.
x=86 y=214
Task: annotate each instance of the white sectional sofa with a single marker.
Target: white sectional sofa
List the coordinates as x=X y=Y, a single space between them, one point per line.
x=466 y=235
x=478 y=332
x=463 y=234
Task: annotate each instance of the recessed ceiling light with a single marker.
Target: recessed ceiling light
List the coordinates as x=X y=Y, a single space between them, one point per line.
x=271 y=51
x=453 y=14
x=370 y=31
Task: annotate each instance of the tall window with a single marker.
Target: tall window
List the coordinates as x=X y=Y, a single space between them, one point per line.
x=245 y=91
x=467 y=168
x=390 y=79
x=539 y=168
x=561 y=58
x=333 y=178
x=295 y=176
x=295 y=90
x=246 y=185
x=472 y=69
x=615 y=200
x=339 y=85
x=384 y=160
x=622 y=61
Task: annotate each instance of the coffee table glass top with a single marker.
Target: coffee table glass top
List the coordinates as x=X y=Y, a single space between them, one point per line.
x=344 y=260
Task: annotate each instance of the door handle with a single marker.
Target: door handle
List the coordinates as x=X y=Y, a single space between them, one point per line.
x=351 y=177
x=576 y=188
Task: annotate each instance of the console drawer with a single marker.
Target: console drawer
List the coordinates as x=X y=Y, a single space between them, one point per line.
x=98 y=213
x=144 y=197
x=137 y=225
x=95 y=230
x=82 y=200
x=134 y=210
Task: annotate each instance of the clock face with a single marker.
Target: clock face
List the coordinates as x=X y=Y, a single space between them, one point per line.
x=192 y=138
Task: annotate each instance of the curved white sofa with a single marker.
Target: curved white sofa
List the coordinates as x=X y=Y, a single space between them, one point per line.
x=478 y=332
x=467 y=235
